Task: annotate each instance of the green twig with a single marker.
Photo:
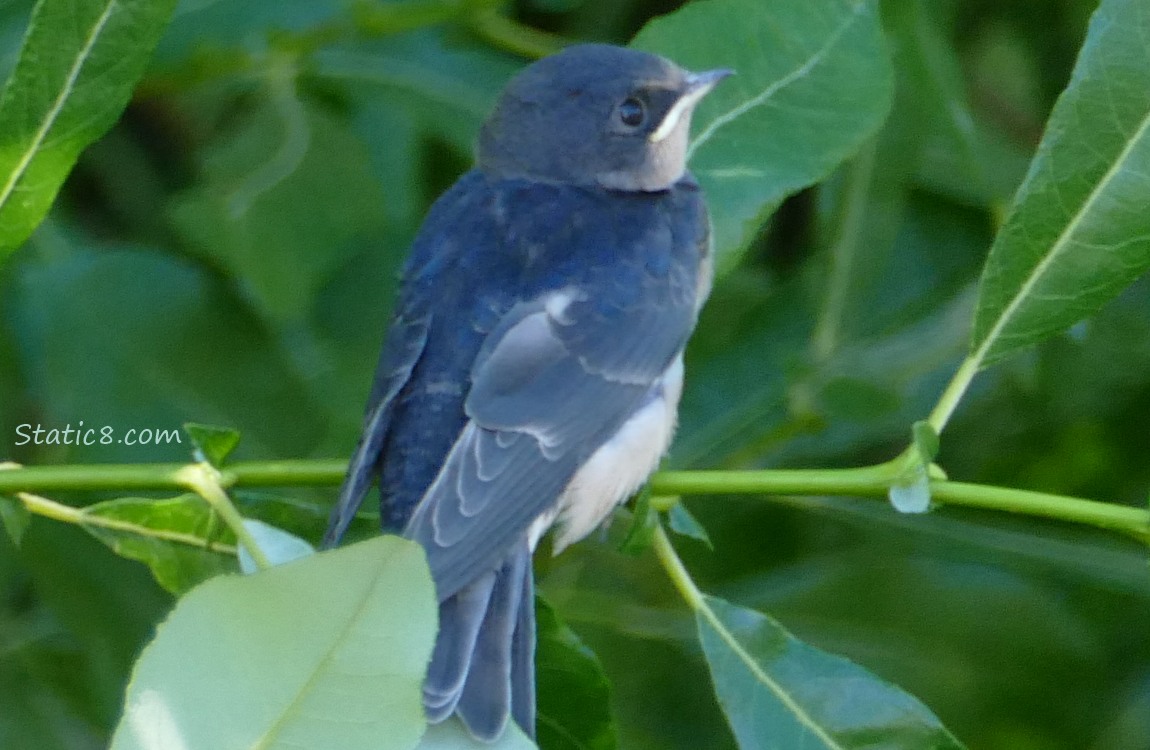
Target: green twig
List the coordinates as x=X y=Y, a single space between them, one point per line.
x=842 y=253
x=676 y=571
x=954 y=392
x=870 y=481
x=503 y=32
x=206 y=481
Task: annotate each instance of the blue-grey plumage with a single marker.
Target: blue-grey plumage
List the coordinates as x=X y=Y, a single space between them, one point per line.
x=532 y=370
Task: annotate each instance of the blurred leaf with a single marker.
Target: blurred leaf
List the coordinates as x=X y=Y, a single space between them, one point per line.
x=347 y=635
x=1079 y=230
x=644 y=520
x=76 y=72
x=14 y=517
x=101 y=610
x=955 y=153
x=815 y=76
x=574 y=702
x=213 y=443
x=450 y=735
x=778 y=692
x=209 y=30
x=163 y=344
x=278 y=546
x=448 y=83
x=285 y=198
x=682 y=522
x=180 y=561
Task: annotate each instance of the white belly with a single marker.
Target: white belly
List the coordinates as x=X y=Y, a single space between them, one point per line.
x=617 y=468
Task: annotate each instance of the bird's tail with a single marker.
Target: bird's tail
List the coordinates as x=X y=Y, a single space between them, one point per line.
x=483 y=667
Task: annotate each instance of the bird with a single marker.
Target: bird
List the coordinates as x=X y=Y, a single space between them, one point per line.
x=531 y=372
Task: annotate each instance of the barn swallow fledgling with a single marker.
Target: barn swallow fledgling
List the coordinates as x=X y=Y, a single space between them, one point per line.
x=532 y=369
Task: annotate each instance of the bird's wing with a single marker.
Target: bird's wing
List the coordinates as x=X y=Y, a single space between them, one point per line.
x=405 y=341
x=554 y=380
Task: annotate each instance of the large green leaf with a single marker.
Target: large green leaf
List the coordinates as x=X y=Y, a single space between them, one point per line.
x=1079 y=229
x=813 y=82
x=778 y=692
x=329 y=651
x=76 y=71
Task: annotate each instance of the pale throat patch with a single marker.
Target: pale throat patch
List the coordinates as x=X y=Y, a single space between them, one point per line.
x=684 y=106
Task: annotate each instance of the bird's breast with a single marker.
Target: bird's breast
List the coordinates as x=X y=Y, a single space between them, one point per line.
x=618 y=467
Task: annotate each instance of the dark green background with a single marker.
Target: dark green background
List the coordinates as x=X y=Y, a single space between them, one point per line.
x=227 y=255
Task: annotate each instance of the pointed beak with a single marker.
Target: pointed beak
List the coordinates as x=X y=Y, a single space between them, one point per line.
x=707 y=79
x=696 y=86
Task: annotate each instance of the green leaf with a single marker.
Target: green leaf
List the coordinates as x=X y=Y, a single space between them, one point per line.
x=278 y=546
x=574 y=702
x=213 y=443
x=179 y=539
x=14 y=517
x=682 y=522
x=75 y=74
x=813 y=82
x=329 y=651
x=1079 y=229
x=779 y=693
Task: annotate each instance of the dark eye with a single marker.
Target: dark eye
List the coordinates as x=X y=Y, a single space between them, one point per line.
x=632 y=113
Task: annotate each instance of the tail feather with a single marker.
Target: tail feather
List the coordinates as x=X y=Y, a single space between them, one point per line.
x=483 y=667
x=460 y=618
x=523 y=658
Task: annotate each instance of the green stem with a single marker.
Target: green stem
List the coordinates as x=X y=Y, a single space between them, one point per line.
x=514 y=37
x=206 y=481
x=954 y=392
x=676 y=571
x=825 y=338
x=1111 y=516
x=120 y=477
x=870 y=481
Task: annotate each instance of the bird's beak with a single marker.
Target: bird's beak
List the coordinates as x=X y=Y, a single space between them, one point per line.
x=695 y=87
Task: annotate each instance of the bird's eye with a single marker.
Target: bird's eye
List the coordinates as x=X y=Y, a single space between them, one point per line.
x=632 y=113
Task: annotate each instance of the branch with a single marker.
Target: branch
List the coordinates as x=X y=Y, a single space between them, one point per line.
x=871 y=481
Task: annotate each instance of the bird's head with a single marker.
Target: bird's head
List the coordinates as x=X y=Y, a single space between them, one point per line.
x=595 y=114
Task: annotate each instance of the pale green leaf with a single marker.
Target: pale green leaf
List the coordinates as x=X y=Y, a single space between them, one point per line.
x=1079 y=229
x=78 y=65
x=779 y=693
x=278 y=546
x=682 y=522
x=812 y=82
x=329 y=651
